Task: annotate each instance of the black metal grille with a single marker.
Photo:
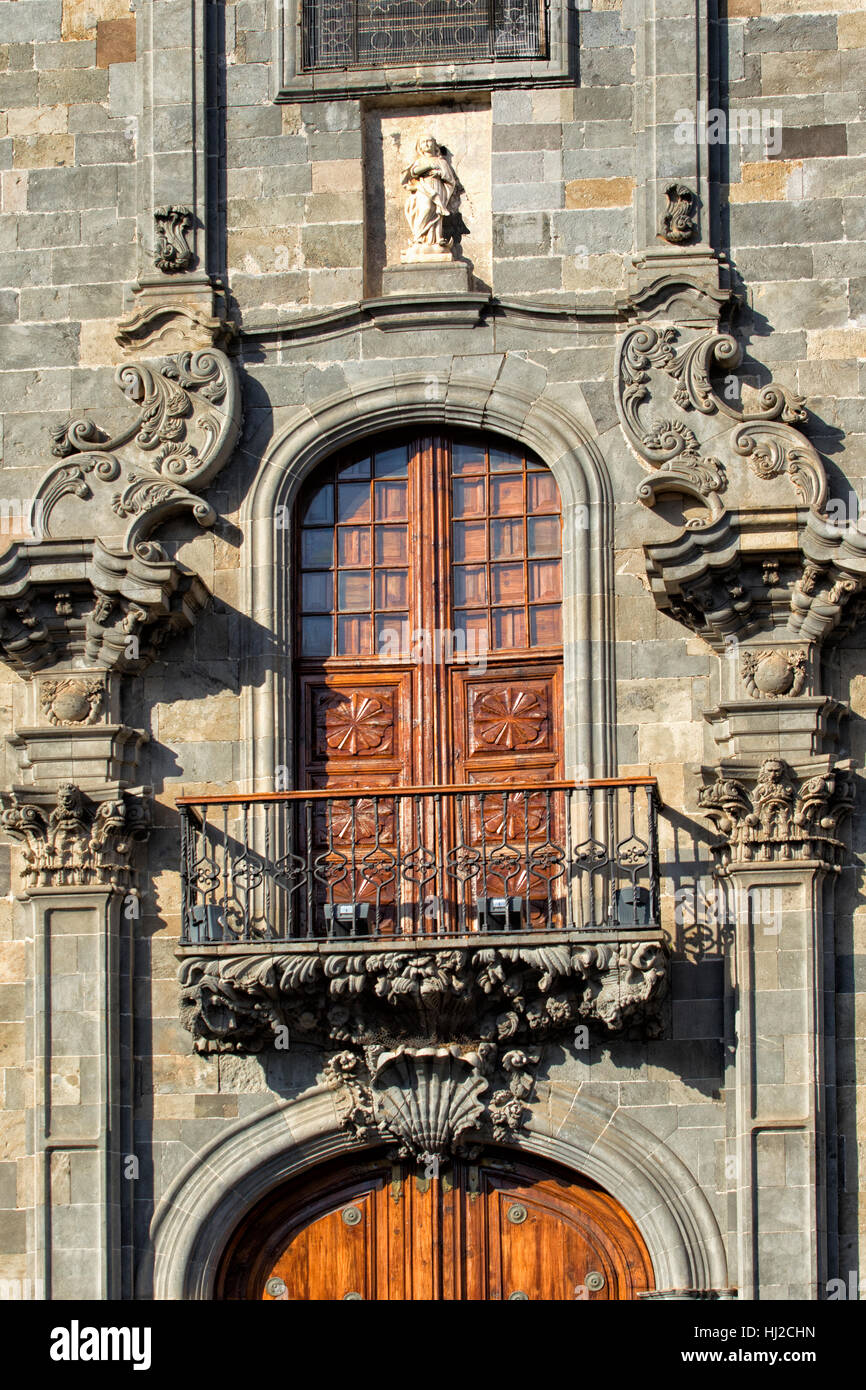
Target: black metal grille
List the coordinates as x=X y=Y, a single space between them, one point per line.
x=389 y=33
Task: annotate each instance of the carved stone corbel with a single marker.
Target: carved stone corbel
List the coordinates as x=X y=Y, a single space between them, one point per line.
x=779 y=815
x=73 y=840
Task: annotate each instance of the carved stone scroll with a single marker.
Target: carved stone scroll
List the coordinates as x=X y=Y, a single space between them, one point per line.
x=172 y=253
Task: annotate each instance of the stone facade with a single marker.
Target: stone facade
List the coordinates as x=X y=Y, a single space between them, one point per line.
x=201 y=297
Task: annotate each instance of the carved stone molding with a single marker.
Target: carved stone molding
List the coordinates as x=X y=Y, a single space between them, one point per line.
x=120 y=488
x=172 y=253
x=118 y=607
x=777 y=815
x=359 y=993
x=72 y=840
x=773 y=674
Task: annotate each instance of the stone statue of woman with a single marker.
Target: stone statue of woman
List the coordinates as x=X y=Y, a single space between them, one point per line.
x=431 y=189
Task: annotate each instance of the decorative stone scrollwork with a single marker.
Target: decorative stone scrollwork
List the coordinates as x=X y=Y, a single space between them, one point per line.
x=76 y=841
x=678 y=225
x=187 y=422
x=781 y=816
x=73 y=701
x=172 y=253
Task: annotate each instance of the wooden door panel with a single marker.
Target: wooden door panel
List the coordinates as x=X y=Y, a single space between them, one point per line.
x=357 y=725
x=480 y=1232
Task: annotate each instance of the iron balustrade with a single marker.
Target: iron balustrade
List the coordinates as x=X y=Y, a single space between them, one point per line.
x=419 y=861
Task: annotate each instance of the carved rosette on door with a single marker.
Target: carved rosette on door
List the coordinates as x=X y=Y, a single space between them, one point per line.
x=430 y=654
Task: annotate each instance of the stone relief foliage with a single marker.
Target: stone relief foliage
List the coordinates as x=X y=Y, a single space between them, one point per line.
x=76 y=842
x=186 y=424
x=419 y=1034
x=172 y=253
x=672 y=411
x=780 y=815
x=679 y=225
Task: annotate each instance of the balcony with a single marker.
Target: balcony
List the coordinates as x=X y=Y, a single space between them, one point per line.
x=426 y=914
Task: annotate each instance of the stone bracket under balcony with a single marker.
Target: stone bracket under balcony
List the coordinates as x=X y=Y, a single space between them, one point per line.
x=432 y=1048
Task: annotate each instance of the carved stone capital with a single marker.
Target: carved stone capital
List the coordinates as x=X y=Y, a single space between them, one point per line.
x=65 y=604
x=73 y=840
x=779 y=815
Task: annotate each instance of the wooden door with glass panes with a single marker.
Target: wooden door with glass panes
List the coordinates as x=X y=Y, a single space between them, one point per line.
x=429 y=635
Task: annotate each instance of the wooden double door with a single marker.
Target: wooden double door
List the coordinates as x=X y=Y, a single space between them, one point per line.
x=497 y=1229
x=429 y=629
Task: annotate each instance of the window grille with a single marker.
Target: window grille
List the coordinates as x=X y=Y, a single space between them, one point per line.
x=391 y=33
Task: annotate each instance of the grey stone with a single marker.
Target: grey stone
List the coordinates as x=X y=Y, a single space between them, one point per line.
x=797 y=223
x=248 y=84
x=50 y=345
x=521 y=234
x=34 y=21
x=69 y=84
x=91 y=187
x=43 y=229
x=69 y=53
x=527 y=275
x=525 y=138
x=792 y=32
x=339 y=245
x=8 y=306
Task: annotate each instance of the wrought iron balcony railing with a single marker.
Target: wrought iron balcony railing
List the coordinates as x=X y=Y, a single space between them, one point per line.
x=422 y=862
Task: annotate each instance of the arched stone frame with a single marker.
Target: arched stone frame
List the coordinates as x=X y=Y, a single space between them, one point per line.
x=219 y=1186
x=315 y=433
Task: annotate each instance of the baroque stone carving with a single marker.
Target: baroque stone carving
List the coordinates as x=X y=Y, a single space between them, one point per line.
x=678 y=225
x=72 y=701
x=475 y=994
x=432 y=189
x=172 y=253
x=76 y=841
x=186 y=424
x=779 y=816
x=772 y=673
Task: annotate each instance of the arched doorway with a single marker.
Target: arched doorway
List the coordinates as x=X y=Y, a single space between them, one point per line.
x=501 y=1227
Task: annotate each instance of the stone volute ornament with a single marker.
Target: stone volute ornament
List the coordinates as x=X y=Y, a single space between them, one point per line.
x=432 y=189
x=780 y=815
x=172 y=253
x=75 y=841
x=679 y=225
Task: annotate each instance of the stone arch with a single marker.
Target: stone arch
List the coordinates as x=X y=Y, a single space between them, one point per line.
x=552 y=432
x=219 y=1186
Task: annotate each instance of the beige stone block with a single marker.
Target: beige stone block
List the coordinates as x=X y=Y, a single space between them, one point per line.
x=599 y=193
x=13 y=191
x=799 y=73
x=179 y=1073
x=11 y=1044
x=38 y=120
x=743 y=9
x=673 y=740
x=820 y=379
x=80 y=17
x=292 y=122
x=181 y=1107
x=214 y=718
x=26 y=1182
x=552 y=104
x=43 y=151
x=593 y=272
x=66 y=1087
x=337 y=175
x=13 y=962
x=98 y=346
x=650 y=700
x=836 y=342
x=765 y=182
x=851 y=30
x=11 y=1134
x=809 y=6
x=253 y=251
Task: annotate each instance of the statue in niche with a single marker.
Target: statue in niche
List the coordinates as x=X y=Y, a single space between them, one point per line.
x=432 y=189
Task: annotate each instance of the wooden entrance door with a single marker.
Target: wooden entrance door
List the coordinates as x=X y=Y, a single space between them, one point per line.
x=497 y=1229
x=429 y=634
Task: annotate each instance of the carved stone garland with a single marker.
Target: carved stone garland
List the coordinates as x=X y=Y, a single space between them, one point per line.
x=421 y=1034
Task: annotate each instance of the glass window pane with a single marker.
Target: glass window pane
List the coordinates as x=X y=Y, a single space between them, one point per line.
x=506 y=584
x=545 y=580
x=470 y=585
x=390 y=501
x=316 y=636
x=354 y=591
x=470 y=540
x=545 y=626
x=506 y=496
x=392 y=463
x=468 y=497
x=505 y=461
x=354 y=636
x=317 y=549
x=542 y=494
x=509 y=627
x=353 y=502
x=353 y=545
x=361 y=469
x=392 y=545
x=544 y=535
x=392 y=588
x=467 y=458
x=506 y=539
x=317 y=593
x=320 y=506
x=393 y=636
